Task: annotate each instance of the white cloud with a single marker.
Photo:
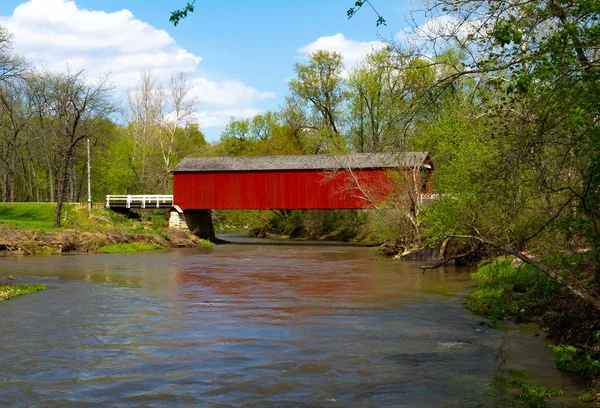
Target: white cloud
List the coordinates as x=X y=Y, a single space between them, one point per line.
x=353 y=51
x=225 y=100
x=220 y=117
x=227 y=93
x=57 y=34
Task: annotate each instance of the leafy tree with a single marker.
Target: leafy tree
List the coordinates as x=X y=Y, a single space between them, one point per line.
x=381 y=96
x=533 y=70
x=320 y=85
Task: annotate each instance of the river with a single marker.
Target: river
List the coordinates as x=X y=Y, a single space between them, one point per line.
x=256 y=323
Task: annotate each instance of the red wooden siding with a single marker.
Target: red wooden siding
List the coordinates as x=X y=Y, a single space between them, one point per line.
x=303 y=189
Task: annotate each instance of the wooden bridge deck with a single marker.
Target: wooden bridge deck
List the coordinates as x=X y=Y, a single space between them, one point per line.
x=150 y=201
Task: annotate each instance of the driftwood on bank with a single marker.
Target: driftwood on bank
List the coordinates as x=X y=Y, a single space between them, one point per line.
x=580 y=293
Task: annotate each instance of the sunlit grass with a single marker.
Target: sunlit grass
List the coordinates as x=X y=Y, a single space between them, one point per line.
x=8 y=291
x=30 y=215
x=129 y=247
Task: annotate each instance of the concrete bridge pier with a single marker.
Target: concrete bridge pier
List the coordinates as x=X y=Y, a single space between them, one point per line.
x=200 y=224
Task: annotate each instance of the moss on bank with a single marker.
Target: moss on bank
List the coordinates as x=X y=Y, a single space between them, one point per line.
x=8 y=291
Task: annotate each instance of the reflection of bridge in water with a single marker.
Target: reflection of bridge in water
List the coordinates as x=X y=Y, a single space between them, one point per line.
x=127 y=201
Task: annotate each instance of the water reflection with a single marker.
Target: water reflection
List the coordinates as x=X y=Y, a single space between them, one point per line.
x=250 y=325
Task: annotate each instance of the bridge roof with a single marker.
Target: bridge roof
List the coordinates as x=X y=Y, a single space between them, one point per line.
x=304 y=162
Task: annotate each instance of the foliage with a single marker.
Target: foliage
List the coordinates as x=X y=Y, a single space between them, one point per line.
x=587 y=397
x=8 y=291
x=531 y=156
x=573 y=360
x=320 y=85
x=376 y=99
x=358 y=5
x=511 y=292
x=129 y=247
x=390 y=225
x=534 y=395
x=180 y=14
x=70 y=108
x=342 y=225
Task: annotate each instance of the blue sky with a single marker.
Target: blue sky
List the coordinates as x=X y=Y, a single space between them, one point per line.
x=238 y=54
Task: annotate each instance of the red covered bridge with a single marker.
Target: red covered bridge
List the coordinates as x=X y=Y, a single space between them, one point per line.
x=295 y=182
x=291 y=182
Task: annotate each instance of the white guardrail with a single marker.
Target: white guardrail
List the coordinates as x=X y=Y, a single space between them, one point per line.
x=139 y=201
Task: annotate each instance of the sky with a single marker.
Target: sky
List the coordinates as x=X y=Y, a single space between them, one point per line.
x=239 y=55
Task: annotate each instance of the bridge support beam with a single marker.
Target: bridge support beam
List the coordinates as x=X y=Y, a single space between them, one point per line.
x=200 y=224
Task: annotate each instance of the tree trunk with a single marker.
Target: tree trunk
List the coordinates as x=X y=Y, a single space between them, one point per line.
x=35 y=181
x=50 y=181
x=5 y=187
x=62 y=189
x=11 y=176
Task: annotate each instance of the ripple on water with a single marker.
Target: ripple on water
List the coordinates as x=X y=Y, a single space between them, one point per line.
x=248 y=325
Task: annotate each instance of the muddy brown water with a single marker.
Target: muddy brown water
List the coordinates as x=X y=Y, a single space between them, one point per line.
x=260 y=324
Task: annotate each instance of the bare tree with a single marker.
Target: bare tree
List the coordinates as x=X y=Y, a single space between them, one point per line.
x=145 y=106
x=177 y=114
x=71 y=107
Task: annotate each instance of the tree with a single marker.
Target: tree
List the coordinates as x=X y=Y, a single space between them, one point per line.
x=16 y=111
x=145 y=108
x=176 y=114
x=11 y=66
x=377 y=104
x=320 y=84
x=532 y=69
x=159 y=117
x=71 y=108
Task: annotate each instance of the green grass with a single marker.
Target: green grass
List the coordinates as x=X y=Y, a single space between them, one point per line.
x=8 y=291
x=129 y=247
x=511 y=292
x=30 y=215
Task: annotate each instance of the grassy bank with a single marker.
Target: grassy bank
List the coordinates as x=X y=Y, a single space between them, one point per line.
x=521 y=293
x=32 y=216
x=8 y=291
x=28 y=229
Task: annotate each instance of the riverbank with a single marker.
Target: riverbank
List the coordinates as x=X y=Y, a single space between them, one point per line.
x=521 y=293
x=26 y=229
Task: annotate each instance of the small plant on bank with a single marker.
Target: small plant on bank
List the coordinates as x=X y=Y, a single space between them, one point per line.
x=8 y=291
x=533 y=395
x=587 y=397
x=206 y=244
